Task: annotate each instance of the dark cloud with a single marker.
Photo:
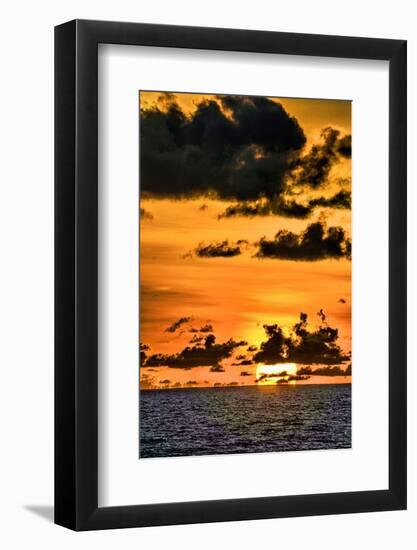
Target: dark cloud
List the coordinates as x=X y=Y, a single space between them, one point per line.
x=145 y=215
x=210 y=340
x=292 y=209
x=143 y=348
x=252 y=348
x=321 y=315
x=267 y=376
x=217 y=368
x=191 y=383
x=217 y=250
x=209 y=354
x=329 y=371
x=264 y=122
x=317 y=242
x=242 y=154
x=196 y=339
x=261 y=377
x=232 y=384
x=177 y=324
x=264 y=207
x=165 y=382
x=147 y=382
x=341 y=301
x=314 y=167
x=301 y=346
x=325 y=371
x=286 y=207
x=342 y=199
x=204 y=329
x=304 y=371
x=245 y=373
x=247 y=150
x=345 y=146
x=166 y=98
x=243 y=363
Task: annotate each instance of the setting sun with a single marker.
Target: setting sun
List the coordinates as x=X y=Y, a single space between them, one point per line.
x=273 y=374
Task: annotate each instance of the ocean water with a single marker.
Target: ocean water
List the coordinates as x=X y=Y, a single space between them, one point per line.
x=252 y=419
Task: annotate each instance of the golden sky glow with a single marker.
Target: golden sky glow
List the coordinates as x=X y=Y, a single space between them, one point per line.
x=238 y=295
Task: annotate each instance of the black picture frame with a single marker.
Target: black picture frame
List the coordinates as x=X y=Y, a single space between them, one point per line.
x=76 y=273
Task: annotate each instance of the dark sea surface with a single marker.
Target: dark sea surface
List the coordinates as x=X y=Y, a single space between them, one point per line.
x=251 y=419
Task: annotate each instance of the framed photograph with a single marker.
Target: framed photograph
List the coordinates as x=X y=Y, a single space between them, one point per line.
x=230 y=275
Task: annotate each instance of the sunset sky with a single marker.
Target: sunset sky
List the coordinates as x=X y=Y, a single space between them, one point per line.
x=245 y=223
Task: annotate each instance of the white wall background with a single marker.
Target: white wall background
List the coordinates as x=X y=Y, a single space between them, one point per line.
x=26 y=285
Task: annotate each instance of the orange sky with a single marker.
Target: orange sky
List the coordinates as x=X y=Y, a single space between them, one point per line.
x=237 y=295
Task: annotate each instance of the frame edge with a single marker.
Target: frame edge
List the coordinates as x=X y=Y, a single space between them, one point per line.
x=65 y=259
x=398 y=274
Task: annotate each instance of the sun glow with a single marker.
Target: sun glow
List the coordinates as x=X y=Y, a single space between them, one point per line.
x=276 y=374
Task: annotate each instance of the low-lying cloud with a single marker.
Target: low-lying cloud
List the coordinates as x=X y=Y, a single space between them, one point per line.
x=145 y=215
x=302 y=345
x=210 y=354
x=217 y=250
